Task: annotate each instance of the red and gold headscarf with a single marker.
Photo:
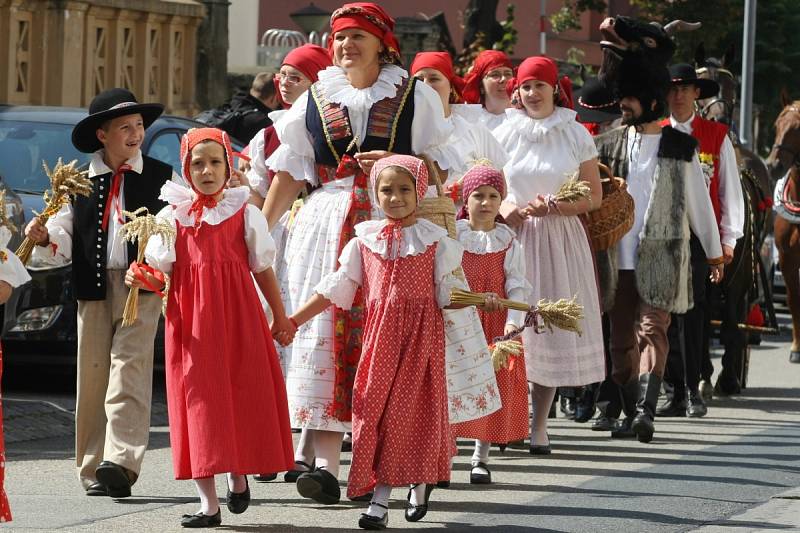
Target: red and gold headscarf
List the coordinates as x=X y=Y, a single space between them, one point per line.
x=369 y=17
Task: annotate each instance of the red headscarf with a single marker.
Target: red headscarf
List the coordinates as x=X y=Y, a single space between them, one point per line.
x=477 y=176
x=542 y=68
x=486 y=61
x=192 y=138
x=442 y=62
x=369 y=17
x=308 y=59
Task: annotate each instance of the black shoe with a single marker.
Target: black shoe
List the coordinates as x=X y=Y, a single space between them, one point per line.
x=696 y=407
x=292 y=475
x=540 y=449
x=479 y=478
x=363 y=498
x=347 y=445
x=202 y=520
x=263 y=478
x=320 y=486
x=415 y=513
x=96 y=489
x=117 y=479
x=673 y=407
x=567 y=407
x=238 y=502
x=794 y=357
x=443 y=484
x=516 y=444
x=585 y=404
x=374 y=523
x=727 y=387
x=604 y=423
x=623 y=429
x=644 y=422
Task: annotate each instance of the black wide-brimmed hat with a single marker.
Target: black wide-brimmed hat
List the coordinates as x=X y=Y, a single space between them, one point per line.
x=595 y=103
x=684 y=74
x=110 y=104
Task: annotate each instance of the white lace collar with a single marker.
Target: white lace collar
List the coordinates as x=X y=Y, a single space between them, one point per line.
x=484 y=242
x=535 y=129
x=416 y=238
x=337 y=88
x=181 y=198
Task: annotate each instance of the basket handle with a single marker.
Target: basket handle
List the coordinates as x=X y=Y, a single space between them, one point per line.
x=433 y=175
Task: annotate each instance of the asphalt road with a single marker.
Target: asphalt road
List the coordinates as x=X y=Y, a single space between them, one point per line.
x=737 y=469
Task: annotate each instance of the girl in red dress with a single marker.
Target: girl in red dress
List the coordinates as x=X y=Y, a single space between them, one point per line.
x=401 y=430
x=493 y=262
x=12 y=274
x=221 y=364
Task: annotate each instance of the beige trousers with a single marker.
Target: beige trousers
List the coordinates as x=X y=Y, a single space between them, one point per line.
x=115 y=380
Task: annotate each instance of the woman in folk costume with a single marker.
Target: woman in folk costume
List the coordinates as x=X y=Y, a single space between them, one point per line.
x=401 y=429
x=360 y=110
x=547 y=147
x=12 y=275
x=494 y=262
x=487 y=84
x=470 y=140
x=221 y=364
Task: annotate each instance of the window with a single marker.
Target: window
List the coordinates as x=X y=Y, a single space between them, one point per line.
x=166 y=147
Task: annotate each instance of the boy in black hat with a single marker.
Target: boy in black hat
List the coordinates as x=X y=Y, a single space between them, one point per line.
x=115 y=363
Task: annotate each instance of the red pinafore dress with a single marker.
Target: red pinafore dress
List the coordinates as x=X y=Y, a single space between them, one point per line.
x=486 y=273
x=401 y=430
x=225 y=390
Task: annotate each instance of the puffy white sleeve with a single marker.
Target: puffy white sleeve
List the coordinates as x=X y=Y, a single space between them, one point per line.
x=159 y=254
x=489 y=147
x=582 y=142
x=340 y=286
x=261 y=248
x=430 y=132
x=730 y=192
x=448 y=258
x=258 y=175
x=12 y=271
x=59 y=251
x=701 y=212
x=517 y=286
x=295 y=155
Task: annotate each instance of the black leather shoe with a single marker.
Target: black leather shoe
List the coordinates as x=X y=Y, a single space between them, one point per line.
x=202 y=520
x=673 y=407
x=117 y=479
x=374 y=523
x=794 y=357
x=696 y=407
x=540 y=449
x=263 y=478
x=415 y=513
x=292 y=475
x=96 y=489
x=320 y=486
x=479 y=478
x=238 y=502
x=727 y=387
x=623 y=429
x=443 y=484
x=604 y=423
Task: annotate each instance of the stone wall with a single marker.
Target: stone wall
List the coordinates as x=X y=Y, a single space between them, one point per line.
x=63 y=52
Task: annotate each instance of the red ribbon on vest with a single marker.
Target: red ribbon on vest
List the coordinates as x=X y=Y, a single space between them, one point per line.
x=139 y=270
x=113 y=196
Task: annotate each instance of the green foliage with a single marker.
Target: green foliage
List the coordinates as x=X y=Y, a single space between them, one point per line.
x=506 y=44
x=568 y=17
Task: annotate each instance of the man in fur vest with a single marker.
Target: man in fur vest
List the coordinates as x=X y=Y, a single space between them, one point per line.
x=646 y=276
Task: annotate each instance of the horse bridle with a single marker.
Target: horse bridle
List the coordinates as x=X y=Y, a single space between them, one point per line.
x=728 y=107
x=782 y=147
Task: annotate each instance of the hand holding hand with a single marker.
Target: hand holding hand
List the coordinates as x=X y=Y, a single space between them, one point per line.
x=537 y=208
x=283 y=330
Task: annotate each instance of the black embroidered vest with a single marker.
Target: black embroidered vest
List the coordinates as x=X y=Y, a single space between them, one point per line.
x=89 y=241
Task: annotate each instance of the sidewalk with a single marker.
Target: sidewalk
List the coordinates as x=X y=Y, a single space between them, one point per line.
x=780 y=513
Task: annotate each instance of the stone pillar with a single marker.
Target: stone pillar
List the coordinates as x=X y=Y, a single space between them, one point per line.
x=62 y=73
x=212 y=55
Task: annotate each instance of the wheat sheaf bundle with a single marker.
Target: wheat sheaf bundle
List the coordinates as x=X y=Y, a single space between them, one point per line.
x=573 y=189
x=65 y=181
x=140 y=229
x=502 y=351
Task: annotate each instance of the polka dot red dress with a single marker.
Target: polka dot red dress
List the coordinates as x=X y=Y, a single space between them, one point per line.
x=486 y=272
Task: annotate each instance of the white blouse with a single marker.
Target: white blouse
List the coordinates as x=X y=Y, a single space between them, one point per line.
x=517 y=286
x=260 y=246
x=543 y=153
x=12 y=271
x=340 y=286
x=296 y=153
x=490 y=120
x=258 y=175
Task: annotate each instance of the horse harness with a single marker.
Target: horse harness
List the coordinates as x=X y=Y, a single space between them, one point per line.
x=782 y=147
x=728 y=106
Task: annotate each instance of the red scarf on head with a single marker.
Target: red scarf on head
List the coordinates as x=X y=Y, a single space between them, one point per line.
x=369 y=17
x=192 y=138
x=486 y=61
x=308 y=59
x=441 y=62
x=542 y=68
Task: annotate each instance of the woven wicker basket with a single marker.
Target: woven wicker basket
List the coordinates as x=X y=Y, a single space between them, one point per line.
x=440 y=210
x=608 y=224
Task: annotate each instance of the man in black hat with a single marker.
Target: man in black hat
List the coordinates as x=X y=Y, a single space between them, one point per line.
x=721 y=173
x=115 y=363
x=646 y=276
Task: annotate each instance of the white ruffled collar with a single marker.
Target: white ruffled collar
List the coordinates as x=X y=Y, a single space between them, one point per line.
x=484 y=242
x=416 y=238
x=470 y=112
x=337 y=88
x=181 y=198
x=535 y=129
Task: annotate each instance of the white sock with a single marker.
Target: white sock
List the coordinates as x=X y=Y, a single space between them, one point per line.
x=237 y=483
x=380 y=495
x=305 y=449
x=328 y=448
x=481 y=454
x=207 y=489
x=418 y=494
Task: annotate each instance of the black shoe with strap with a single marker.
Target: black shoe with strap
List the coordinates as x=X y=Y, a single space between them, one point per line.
x=374 y=523
x=292 y=475
x=415 y=513
x=320 y=486
x=238 y=502
x=201 y=520
x=476 y=477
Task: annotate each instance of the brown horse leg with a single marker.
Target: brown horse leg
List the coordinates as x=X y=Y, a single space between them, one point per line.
x=787 y=240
